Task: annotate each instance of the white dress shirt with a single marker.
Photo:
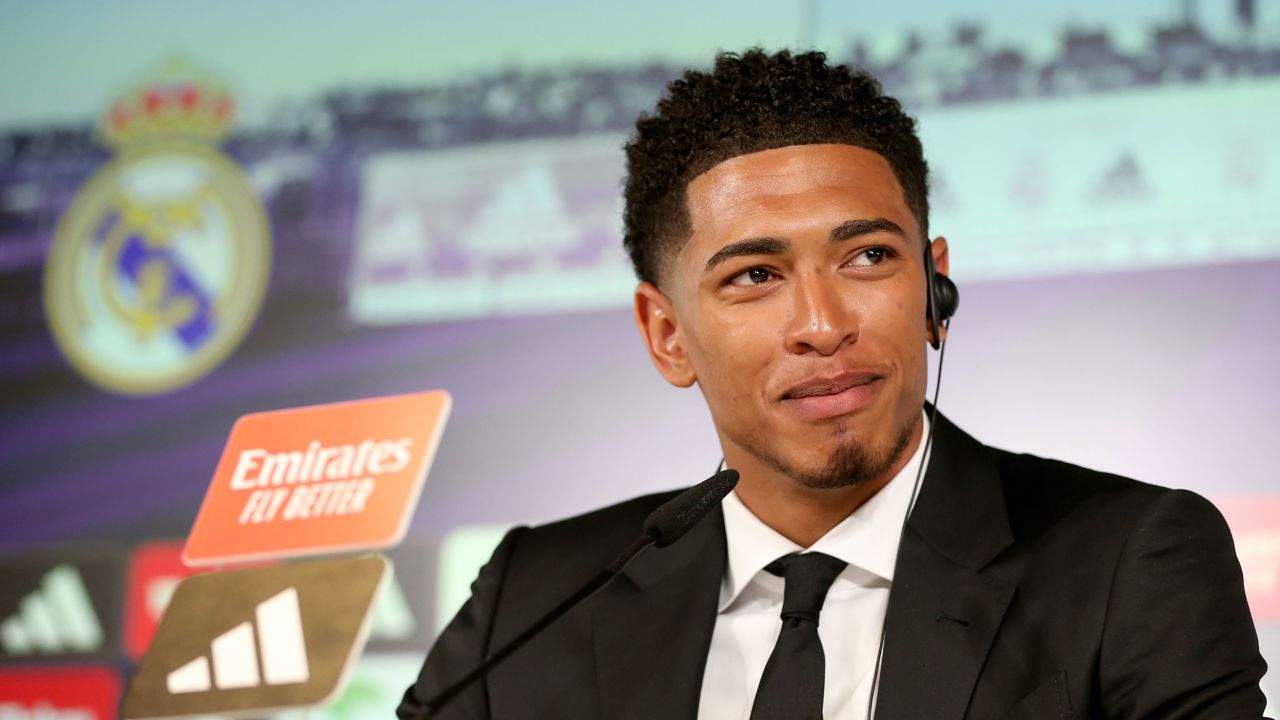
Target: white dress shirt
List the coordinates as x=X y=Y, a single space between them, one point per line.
x=749 y=619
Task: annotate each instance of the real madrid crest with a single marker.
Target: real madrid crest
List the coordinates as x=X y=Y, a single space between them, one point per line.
x=160 y=263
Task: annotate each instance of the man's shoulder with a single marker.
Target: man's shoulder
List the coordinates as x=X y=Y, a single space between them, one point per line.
x=1036 y=491
x=1040 y=493
x=1032 y=473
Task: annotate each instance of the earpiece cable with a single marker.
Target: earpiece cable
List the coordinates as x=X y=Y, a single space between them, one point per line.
x=915 y=491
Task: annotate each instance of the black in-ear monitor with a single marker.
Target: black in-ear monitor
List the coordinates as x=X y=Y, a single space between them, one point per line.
x=942 y=297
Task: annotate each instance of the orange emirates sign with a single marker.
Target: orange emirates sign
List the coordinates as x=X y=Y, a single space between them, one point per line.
x=319 y=479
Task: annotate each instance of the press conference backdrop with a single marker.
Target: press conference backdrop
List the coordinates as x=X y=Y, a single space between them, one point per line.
x=378 y=198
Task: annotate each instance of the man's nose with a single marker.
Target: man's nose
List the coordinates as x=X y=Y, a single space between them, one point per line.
x=824 y=318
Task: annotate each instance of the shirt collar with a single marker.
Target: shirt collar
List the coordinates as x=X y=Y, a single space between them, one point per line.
x=868 y=538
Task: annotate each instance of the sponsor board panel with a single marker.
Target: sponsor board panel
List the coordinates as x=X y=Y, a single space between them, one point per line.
x=60 y=605
x=318 y=479
x=258 y=640
x=59 y=693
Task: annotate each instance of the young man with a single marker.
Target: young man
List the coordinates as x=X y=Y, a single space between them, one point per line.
x=777 y=216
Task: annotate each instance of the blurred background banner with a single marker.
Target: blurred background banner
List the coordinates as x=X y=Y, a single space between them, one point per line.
x=206 y=212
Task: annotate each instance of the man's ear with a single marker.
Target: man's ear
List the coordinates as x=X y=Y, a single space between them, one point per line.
x=941 y=255
x=942 y=266
x=656 y=318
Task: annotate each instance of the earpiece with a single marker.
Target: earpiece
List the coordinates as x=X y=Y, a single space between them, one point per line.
x=942 y=297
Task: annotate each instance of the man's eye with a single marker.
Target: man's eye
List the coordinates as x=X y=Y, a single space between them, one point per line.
x=753 y=276
x=872 y=256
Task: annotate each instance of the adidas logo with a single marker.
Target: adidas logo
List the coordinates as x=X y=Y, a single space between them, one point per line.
x=277 y=626
x=57 y=618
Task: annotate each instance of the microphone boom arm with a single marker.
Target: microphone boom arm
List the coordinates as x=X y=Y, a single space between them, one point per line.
x=664 y=526
x=592 y=586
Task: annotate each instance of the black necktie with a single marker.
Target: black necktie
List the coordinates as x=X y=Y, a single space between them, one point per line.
x=791 y=686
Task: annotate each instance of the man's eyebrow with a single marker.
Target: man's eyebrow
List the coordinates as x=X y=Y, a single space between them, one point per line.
x=753 y=246
x=854 y=228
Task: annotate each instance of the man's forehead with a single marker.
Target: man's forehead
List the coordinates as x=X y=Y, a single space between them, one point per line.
x=786 y=184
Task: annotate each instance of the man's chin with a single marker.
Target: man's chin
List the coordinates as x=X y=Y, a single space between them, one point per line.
x=847 y=463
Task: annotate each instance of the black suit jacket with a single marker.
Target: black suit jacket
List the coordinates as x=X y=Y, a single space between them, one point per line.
x=1025 y=588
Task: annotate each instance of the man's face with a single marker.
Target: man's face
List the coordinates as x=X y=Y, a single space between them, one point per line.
x=798 y=306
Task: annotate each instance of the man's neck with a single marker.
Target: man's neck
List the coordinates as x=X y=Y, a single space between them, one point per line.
x=797 y=512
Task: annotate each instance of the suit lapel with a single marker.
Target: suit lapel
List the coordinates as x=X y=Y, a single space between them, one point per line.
x=652 y=628
x=943 y=611
x=939 y=627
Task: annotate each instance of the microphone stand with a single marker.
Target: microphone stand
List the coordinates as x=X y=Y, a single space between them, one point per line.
x=594 y=585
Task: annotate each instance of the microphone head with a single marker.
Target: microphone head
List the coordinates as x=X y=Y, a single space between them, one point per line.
x=676 y=516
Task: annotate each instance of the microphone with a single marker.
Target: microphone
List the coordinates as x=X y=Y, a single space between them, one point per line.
x=663 y=527
x=678 y=515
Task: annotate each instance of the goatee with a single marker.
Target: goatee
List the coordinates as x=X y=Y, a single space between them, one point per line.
x=851 y=464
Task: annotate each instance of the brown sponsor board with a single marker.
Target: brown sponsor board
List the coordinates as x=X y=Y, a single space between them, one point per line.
x=262 y=639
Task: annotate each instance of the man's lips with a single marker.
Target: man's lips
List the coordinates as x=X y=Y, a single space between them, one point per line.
x=829 y=384
x=831 y=396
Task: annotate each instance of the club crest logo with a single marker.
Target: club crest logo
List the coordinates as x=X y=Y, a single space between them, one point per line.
x=159 y=265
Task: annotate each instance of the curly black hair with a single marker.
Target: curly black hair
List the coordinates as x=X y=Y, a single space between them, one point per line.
x=751 y=102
